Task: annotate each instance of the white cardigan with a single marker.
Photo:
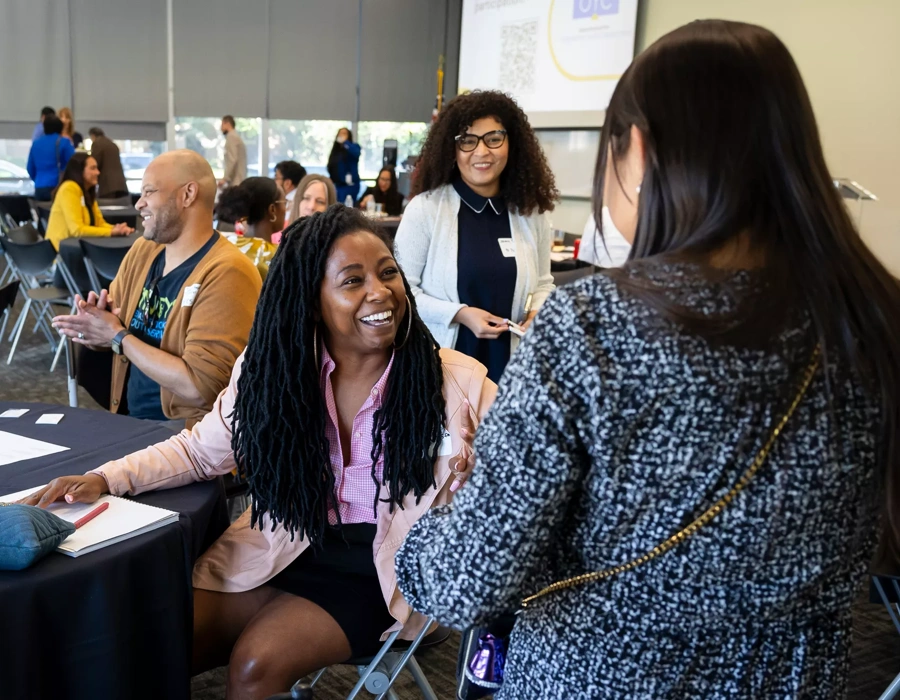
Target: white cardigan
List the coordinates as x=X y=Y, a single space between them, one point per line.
x=427 y=246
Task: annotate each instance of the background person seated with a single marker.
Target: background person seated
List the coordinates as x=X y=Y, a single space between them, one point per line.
x=112 y=181
x=384 y=193
x=256 y=207
x=315 y=194
x=48 y=157
x=180 y=309
x=75 y=211
x=288 y=174
x=336 y=419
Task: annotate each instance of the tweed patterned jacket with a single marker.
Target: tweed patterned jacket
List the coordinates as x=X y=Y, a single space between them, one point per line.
x=611 y=431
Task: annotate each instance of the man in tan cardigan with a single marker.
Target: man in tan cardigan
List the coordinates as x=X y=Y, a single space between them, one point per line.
x=179 y=312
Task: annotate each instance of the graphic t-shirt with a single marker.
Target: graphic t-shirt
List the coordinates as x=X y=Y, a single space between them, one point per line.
x=149 y=323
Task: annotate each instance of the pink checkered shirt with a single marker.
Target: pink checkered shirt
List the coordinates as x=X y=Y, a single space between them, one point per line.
x=353 y=485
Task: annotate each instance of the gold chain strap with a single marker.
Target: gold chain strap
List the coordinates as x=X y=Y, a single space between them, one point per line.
x=705 y=518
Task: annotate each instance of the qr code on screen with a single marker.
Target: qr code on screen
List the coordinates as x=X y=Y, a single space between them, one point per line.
x=518 y=47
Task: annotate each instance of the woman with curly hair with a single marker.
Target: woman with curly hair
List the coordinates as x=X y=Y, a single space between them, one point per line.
x=341 y=413
x=475 y=243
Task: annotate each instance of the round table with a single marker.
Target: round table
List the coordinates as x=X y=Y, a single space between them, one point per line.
x=72 y=255
x=115 y=623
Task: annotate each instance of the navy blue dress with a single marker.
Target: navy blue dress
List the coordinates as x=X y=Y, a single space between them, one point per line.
x=486 y=279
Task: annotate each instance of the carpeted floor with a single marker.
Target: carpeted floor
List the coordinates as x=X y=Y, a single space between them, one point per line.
x=876 y=651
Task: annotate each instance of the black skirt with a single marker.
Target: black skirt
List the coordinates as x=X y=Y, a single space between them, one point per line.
x=342 y=580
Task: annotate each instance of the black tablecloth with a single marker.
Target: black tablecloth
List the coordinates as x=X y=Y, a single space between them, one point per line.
x=73 y=257
x=115 y=623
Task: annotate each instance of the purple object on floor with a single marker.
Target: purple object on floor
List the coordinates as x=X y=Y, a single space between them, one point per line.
x=486 y=667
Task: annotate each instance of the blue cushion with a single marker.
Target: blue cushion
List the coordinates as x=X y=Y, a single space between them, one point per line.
x=28 y=533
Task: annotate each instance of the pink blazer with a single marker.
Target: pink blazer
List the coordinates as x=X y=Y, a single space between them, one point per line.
x=244 y=558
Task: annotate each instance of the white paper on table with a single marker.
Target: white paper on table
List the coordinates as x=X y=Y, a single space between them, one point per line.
x=14 y=413
x=122 y=520
x=15 y=448
x=49 y=419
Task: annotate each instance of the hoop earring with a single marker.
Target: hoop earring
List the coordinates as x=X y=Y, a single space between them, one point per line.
x=408 y=323
x=273 y=219
x=316 y=345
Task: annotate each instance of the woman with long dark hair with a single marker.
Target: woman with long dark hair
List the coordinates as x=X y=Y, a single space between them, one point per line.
x=341 y=413
x=704 y=483
x=343 y=166
x=385 y=193
x=475 y=239
x=75 y=211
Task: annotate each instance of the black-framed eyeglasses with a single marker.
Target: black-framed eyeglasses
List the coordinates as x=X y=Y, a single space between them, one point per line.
x=151 y=302
x=492 y=139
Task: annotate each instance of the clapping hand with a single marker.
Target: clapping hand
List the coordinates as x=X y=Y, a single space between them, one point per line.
x=95 y=323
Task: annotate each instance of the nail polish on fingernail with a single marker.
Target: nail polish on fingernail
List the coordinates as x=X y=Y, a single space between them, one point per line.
x=454 y=486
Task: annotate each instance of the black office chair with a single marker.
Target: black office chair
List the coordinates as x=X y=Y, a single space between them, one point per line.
x=101 y=262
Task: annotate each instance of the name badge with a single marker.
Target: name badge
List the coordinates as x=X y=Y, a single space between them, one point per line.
x=507 y=247
x=446 y=445
x=190 y=293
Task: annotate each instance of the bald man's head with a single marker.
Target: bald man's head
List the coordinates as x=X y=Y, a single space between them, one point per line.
x=178 y=189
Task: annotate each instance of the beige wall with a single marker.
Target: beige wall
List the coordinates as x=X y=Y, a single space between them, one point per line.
x=849 y=55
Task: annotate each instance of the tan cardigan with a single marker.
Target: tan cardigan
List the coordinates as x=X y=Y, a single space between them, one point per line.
x=244 y=557
x=208 y=333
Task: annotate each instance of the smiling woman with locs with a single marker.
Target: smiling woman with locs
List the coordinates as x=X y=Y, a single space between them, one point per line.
x=475 y=242
x=341 y=412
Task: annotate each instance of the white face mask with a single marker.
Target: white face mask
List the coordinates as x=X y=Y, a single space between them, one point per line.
x=592 y=249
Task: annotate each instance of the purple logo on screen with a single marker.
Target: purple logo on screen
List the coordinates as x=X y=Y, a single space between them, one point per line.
x=592 y=8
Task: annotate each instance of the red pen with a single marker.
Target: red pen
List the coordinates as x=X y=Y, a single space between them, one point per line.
x=90 y=516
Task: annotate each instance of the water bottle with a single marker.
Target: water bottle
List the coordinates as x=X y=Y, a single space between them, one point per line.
x=348 y=201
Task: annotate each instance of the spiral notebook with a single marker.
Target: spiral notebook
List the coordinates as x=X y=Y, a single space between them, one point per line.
x=123 y=520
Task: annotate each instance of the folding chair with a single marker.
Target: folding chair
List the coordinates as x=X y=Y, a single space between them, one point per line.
x=377 y=674
x=101 y=261
x=8 y=296
x=21 y=234
x=886 y=585
x=33 y=260
x=26 y=233
x=39 y=215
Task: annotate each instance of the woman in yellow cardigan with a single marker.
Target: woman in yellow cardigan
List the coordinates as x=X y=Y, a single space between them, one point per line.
x=75 y=211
